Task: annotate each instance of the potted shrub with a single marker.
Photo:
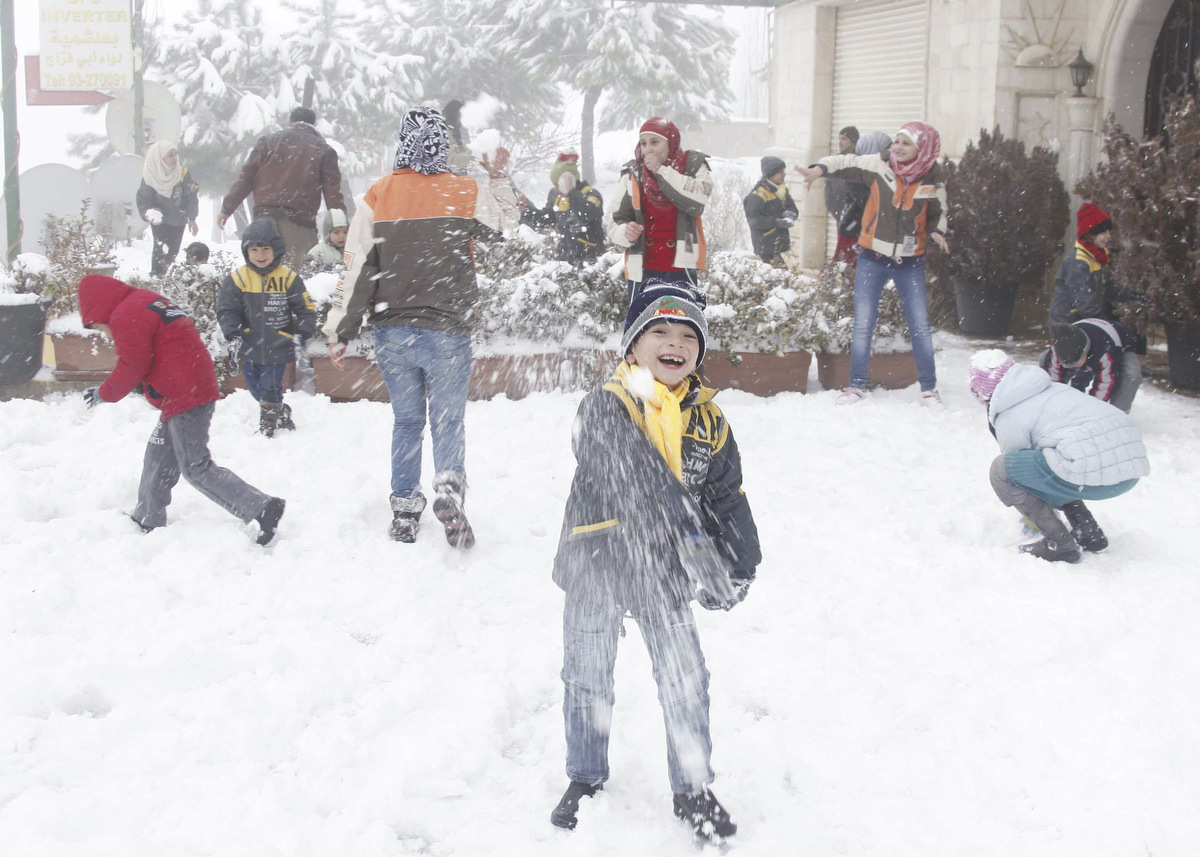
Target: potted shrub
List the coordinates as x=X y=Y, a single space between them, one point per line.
x=74 y=249
x=22 y=319
x=1149 y=190
x=891 y=365
x=1008 y=210
x=761 y=325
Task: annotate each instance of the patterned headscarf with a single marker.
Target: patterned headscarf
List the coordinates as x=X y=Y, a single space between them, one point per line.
x=424 y=144
x=929 y=146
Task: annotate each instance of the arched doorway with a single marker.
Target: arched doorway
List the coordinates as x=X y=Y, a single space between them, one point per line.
x=1173 y=63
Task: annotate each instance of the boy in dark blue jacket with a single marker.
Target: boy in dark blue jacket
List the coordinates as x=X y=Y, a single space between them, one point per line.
x=263 y=309
x=656 y=517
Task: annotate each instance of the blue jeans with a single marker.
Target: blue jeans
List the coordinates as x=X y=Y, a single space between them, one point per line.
x=871 y=275
x=264 y=381
x=423 y=365
x=590 y=635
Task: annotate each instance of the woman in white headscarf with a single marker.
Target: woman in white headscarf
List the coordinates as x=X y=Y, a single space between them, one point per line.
x=168 y=200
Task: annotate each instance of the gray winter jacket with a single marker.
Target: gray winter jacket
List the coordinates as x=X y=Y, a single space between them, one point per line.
x=1086 y=441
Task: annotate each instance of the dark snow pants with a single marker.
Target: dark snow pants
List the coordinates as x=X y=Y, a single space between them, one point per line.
x=179 y=446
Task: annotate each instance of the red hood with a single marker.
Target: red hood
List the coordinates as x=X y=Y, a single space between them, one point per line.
x=99 y=296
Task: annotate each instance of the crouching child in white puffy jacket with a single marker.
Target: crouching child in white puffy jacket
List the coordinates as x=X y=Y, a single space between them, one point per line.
x=1059 y=447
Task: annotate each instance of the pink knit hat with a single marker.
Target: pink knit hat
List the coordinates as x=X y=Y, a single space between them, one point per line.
x=985 y=371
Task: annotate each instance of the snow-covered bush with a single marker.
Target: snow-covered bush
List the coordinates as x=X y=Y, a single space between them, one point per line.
x=834 y=318
x=27 y=276
x=73 y=249
x=1149 y=190
x=1008 y=211
x=526 y=294
x=755 y=307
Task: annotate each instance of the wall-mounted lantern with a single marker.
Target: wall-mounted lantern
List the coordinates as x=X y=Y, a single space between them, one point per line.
x=1081 y=73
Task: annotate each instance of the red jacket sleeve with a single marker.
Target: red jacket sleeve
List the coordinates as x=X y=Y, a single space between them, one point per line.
x=133 y=335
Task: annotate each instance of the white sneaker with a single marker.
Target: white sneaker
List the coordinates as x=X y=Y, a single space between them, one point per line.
x=850 y=395
x=932 y=399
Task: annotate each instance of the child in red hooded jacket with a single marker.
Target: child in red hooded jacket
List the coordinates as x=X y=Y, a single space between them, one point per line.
x=159 y=348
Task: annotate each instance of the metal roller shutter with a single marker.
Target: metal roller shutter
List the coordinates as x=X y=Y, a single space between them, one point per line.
x=879 y=69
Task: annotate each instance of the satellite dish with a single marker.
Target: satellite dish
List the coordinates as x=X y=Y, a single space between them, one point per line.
x=114 y=191
x=161 y=117
x=48 y=189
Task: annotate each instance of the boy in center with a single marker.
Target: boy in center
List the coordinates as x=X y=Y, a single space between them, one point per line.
x=656 y=518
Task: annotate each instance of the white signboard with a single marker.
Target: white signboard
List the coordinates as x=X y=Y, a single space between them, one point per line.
x=86 y=44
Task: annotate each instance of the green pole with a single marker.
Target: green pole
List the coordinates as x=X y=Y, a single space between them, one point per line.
x=12 y=138
x=139 y=132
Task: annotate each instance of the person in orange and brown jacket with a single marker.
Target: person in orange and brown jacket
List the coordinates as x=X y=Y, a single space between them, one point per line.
x=288 y=172
x=656 y=212
x=906 y=209
x=410 y=268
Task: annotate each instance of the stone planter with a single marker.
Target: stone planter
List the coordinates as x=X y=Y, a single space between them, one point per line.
x=890 y=371
x=760 y=374
x=361 y=380
x=82 y=358
x=1183 y=354
x=22 y=334
x=984 y=309
x=518 y=375
x=512 y=375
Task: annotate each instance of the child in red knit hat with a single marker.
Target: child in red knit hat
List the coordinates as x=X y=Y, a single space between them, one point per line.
x=1084 y=287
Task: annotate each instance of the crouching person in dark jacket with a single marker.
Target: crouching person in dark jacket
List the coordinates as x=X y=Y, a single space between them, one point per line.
x=264 y=309
x=159 y=348
x=1097 y=357
x=656 y=517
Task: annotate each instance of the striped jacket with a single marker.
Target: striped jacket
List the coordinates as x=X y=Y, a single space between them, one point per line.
x=626 y=511
x=690 y=191
x=410 y=254
x=1107 y=343
x=899 y=216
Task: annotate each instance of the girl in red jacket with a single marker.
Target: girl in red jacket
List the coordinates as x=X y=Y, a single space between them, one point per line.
x=159 y=348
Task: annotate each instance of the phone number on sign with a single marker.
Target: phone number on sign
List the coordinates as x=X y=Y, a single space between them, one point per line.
x=95 y=79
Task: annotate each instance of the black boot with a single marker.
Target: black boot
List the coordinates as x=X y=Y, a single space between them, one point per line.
x=406 y=517
x=451 y=488
x=268 y=520
x=705 y=814
x=268 y=419
x=1084 y=527
x=564 y=814
x=285 y=418
x=1062 y=550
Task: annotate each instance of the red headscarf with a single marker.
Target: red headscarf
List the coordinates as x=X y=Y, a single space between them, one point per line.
x=676 y=157
x=929 y=146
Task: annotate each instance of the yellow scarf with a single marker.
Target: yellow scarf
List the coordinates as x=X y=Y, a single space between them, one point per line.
x=664 y=419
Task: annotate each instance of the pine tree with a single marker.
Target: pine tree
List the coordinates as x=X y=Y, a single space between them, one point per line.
x=227 y=66
x=359 y=92
x=633 y=59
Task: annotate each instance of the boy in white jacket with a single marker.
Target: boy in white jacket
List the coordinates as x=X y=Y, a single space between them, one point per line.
x=1059 y=447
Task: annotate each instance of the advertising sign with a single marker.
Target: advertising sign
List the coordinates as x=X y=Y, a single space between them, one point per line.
x=85 y=44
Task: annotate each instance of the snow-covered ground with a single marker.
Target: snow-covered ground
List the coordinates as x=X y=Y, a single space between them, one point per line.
x=899 y=682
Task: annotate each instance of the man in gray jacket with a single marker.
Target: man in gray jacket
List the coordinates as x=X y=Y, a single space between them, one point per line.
x=1059 y=447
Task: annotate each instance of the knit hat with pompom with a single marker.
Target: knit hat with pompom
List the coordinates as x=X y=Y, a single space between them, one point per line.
x=985 y=371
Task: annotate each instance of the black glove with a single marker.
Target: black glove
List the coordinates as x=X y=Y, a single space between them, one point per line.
x=741 y=587
x=234 y=362
x=91 y=397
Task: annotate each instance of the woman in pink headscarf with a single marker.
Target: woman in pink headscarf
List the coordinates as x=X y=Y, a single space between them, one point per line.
x=906 y=209
x=656 y=211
